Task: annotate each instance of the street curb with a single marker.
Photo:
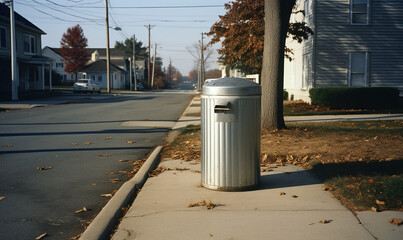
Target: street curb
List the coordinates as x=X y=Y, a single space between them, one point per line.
x=101 y=226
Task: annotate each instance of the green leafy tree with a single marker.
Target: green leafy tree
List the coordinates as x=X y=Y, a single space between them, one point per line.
x=127 y=45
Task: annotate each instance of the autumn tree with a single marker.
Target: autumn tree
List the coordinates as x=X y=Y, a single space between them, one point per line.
x=127 y=45
x=241 y=33
x=213 y=73
x=73 y=50
x=193 y=75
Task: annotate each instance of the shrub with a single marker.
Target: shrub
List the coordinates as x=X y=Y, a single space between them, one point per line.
x=285 y=95
x=356 y=98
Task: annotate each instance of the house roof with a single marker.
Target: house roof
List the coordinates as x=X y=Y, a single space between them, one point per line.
x=100 y=66
x=20 y=20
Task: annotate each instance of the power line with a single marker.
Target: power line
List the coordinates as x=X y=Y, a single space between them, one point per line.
x=162 y=7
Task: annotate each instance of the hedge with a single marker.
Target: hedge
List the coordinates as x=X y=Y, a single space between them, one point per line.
x=285 y=95
x=355 y=98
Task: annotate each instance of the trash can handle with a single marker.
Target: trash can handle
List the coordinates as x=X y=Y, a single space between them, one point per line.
x=222 y=108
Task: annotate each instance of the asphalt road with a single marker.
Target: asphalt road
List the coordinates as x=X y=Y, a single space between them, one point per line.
x=82 y=143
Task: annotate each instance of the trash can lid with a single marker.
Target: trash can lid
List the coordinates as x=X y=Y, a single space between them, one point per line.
x=231 y=86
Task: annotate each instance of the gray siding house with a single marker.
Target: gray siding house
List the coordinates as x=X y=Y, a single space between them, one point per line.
x=30 y=63
x=357 y=43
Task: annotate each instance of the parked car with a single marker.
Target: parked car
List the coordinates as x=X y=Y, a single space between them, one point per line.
x=140 y=87
x=86 y=85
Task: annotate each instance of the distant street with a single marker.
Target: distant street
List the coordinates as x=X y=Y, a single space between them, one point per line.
x=82 y=143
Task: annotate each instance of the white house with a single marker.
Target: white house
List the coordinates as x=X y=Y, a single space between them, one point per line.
x=57 y=63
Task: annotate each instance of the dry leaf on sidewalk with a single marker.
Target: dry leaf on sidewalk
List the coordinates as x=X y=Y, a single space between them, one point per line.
x=294 y=196
x=374 y=209
x=42 y=236
x=84 y=209
x=7 y=145
x=328 y=189
x=209 y=205
x=282 y=193
x=106 y=195
x=74 y=144
x=2 y=198
x=128 y=141
x=104 y=155
x=44 y=168
x=396 y=221
x=87 y=143
x=324 y=221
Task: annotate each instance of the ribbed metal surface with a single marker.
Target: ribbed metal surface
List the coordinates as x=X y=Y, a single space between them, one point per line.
x=230 y=142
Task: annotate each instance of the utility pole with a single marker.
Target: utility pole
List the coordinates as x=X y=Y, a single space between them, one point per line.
x=201 y=82
x=14 y=79
x=149 y=51
x=134 y=62
x=108 y=59
x=170 y=71
x=152 y=76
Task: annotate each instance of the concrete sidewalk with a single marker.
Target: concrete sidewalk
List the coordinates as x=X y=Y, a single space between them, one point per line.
x=161 y=210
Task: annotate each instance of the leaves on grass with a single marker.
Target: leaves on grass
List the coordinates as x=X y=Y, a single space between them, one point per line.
x=325 y=221
x=114 y=180
x=84 y=209
x=396 y=221
x=381 y=203
x=7 y=145
x=108 y=138
x=44 y=168
x=209 y=205
x=42 y=236
x=104 y=155
x=2 y=198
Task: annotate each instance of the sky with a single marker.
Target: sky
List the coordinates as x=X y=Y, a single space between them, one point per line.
x=174 y=29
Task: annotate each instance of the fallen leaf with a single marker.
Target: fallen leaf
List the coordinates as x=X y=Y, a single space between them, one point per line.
x=328 y=189
x=374 y=209
x=128 y=141
x=396 y=221
x=209 y=205
x=76 y=237
x=112 y=173
x=108 y=138
x=7 y=145
x=106 y=195
x=42 y=236
x=93 y=184
x=114 y=180
x=74 y=144
x=196 y=171
x=379 y=202
x=123 y=160
x=282 y=193
x=84 y=209
x=325 y=221
x=210 y=234
x=294 y=196
x=44 y=168
x=148 y=140
x=104 y=155
x=2 y=198
x=199 y=186
x=87 y=143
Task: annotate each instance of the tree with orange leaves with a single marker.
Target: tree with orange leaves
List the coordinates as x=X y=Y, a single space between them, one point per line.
x=73 y=50
x=241 y=32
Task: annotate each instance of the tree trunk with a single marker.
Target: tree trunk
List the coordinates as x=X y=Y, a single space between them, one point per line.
x=277 y=16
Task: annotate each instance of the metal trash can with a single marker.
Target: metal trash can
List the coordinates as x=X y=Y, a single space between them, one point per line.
x=230 y=134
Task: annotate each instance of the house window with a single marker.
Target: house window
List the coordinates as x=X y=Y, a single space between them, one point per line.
x=2 y=37
x=59 y=65
x=358 y=68
x=99 y=78
x=93 y=77
x=359 y=12
x=29 y=44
